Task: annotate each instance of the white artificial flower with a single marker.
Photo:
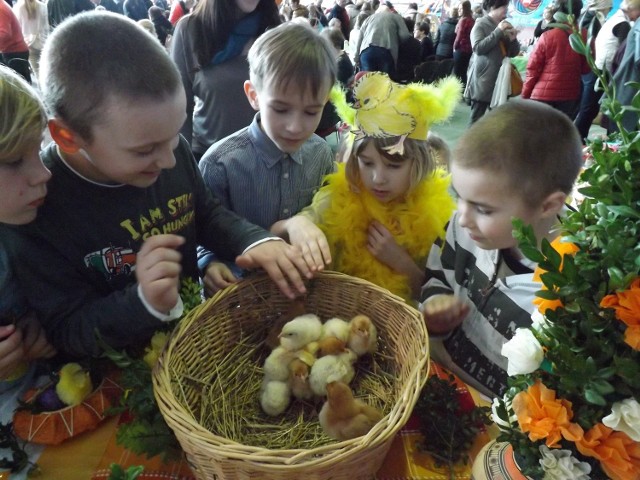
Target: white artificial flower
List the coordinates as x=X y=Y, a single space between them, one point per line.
x=625 y=417
x=523 y=352
x=561 y=465
x=539 y=321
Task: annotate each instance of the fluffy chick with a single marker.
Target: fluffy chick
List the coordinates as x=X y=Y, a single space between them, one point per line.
x=275 y=397
x=331 y=346
x=300 y=331
x=335 y=327
x=299 y=379
x=276 y=365
x=74 y=384
x=343 y=417
x=295 y=309
x=331 y=368
x=363 y=335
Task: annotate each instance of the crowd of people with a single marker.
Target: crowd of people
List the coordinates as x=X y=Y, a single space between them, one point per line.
x=202 y=161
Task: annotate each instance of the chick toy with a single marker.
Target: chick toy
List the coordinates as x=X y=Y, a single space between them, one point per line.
x=300 y=331
x=343 y=417
x=383 y=108
x=74 y=384
x=363 y=335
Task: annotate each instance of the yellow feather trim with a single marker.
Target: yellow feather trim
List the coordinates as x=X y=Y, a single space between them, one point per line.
x=415 y=224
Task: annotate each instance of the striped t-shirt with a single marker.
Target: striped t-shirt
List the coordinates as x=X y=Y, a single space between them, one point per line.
x=499 y=288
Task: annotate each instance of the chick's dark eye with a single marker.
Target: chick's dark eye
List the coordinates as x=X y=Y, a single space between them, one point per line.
x=366 y=101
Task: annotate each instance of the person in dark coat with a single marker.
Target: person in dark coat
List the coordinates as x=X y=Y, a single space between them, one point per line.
x=446 y=35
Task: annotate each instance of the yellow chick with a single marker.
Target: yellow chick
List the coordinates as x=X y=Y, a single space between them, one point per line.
x=331 y=368
x=275 y=397
x=335 y=327
x=74 y=384
x=300 y=331
x=343 y=417
x=363 y=336
x=384 y=108
x=276 y=365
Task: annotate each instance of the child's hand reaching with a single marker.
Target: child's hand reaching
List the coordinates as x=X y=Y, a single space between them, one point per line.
x=283 y=262
x=443 y=313
x=217 y=277
x=11 y=351
x=158 y=271
x=34 y=343
x=306 y=235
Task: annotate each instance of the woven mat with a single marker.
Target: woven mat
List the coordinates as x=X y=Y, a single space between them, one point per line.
x=404 y=461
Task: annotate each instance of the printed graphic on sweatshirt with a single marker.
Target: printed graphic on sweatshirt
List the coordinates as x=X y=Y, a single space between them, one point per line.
x=112 y=261
x=173 y=217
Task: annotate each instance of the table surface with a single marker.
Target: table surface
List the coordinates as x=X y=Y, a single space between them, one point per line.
x=88 y=456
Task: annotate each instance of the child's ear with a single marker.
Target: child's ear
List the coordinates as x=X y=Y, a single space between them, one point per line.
x=553 y=204
x=252 y=95
x=63 y=136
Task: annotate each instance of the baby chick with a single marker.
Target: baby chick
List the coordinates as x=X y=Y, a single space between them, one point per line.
x=276 y=365
x=300 y=331
x=275 y=397
x=299 y=379
x=336 y=327
x=331 y=346
x=332 y=368
x=74 y=384
x=363 y=336
x=343 y=417
x=295 y=309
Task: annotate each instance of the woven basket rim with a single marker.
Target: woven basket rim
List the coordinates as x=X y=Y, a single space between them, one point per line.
x=286 y=459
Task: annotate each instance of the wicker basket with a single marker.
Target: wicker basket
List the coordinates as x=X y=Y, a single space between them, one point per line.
x=208 y=333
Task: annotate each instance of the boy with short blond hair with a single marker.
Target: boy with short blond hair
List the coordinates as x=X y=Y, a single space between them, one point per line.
x=271 y=169
x=519 y=161
x=127 y=205
x=23 y=180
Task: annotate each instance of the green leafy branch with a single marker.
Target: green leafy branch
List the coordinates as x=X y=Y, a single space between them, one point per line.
x=143 y=429
x=449 y=430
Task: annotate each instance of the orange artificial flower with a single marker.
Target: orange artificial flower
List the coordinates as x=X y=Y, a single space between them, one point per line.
x=563 y=248
x=632 y=336
x=619 y=455
x=543 y=416
x=627 y=307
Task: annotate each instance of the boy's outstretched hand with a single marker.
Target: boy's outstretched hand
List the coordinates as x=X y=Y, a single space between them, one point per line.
x=282 y=262
x=11 y=351
x=306 y=235
x=158 y=271
x=217 y=277
x=443 y=313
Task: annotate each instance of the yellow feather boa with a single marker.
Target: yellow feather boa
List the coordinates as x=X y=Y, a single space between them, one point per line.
x=415 y=223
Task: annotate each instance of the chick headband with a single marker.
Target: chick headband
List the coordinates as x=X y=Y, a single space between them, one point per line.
x=383 y=108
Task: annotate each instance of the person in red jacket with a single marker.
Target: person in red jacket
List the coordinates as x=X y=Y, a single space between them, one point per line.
x=554 y=70
x=14 y=51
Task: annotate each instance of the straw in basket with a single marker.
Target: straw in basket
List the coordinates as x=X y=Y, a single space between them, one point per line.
x=186 y=371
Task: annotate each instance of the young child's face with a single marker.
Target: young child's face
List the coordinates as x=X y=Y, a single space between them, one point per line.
x=288 y=116
x=487 y=205
x=385 y=180
x=134 y=141
x=22 y=187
